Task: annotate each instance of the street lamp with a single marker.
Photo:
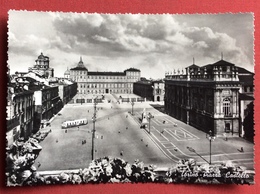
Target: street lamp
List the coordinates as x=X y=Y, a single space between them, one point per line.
x=194 y=151
x=132 y=103
x=210 y=136
x=94 y=129
x=150 y=116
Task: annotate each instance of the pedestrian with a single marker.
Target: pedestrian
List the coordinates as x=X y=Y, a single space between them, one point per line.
x=78 y=128
x=57 y=141
x=108 y=118
x=126 y=128
x=163 y=122
x=242 y=149
x=147 y=145
x=121 y=153
x=39 y=164
x=225 y=136
x=101 y=136
x=118 y=131
x=162 y=132
x=141 y=139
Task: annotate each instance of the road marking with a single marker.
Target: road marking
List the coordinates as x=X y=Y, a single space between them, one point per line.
x=227 y=154
x=162 y=149
x=234 y=160
x=171 y=143
x=156 y=122
x=168 y=145
x=161 y=135
x=173 y=155
x=181 y=134
x=173 y=135
x=190 y=133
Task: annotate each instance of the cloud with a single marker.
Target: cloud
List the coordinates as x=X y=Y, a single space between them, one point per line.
x=207 y=43
x=138 y=40
x=29 y=45
x=133 y=33
x=115 y=34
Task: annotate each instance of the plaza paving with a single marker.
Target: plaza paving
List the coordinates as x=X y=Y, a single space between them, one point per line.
x=117 y=132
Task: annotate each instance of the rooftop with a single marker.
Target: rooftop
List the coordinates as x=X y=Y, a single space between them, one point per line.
x=132 y=69
x=79 y=68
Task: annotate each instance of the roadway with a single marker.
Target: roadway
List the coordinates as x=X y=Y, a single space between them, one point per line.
x=118 y=134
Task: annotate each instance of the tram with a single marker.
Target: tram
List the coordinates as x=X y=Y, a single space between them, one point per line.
x=75 y=123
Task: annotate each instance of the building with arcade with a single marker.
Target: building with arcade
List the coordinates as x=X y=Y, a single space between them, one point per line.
x=206 y=97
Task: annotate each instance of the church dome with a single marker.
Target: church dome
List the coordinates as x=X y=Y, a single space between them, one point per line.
x=81 y=64
x=67 y=72
x=41 y=56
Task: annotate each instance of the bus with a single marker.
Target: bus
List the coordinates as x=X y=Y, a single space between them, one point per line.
x=75 y=123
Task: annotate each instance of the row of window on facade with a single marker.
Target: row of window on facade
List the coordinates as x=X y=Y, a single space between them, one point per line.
x=109 y=77
x=119 y=75
x=115 y=85
x=42 y=66
x=209 y=106
x=104 y=91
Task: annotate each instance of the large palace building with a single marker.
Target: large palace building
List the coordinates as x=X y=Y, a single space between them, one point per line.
x=205 y=97
x=95 y=82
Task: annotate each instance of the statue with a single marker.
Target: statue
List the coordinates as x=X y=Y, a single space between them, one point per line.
x=144 y=121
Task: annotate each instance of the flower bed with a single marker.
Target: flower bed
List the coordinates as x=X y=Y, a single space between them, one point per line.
x=21 y=157
x=116 y=170
x=187 y=171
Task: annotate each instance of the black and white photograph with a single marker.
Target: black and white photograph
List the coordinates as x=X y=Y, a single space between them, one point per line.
x=129 y=98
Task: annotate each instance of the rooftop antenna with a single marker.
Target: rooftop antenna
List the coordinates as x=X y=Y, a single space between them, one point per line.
x=80 y=58
x=221 y=55
x=193 y=60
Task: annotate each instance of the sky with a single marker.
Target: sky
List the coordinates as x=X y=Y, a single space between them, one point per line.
x=153 y=43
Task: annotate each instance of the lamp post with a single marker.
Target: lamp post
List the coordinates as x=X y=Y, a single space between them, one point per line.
x=194 y=151
x=210 y=136
x=94 y=130
x=150 y=116
x=132 y=103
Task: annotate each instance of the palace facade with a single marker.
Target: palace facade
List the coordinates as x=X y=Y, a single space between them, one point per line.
x=95 y=82
x=205 y=97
